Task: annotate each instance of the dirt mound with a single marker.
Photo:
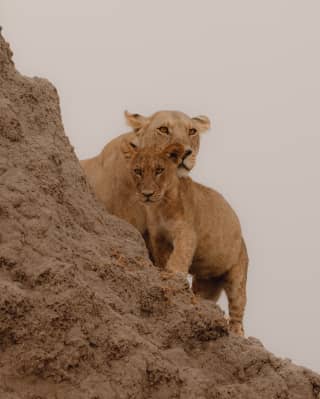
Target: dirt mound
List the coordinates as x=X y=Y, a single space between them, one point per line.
x=83 y=313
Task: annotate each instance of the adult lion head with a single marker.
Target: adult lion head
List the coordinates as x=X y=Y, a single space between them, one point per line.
x=166 y=127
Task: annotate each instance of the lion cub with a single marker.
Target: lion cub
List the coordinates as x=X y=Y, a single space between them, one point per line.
x=192 y=228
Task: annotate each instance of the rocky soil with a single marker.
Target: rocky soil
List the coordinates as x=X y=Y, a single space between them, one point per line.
x=83 y=312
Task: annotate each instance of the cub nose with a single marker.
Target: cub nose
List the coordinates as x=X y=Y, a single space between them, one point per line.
x=147 y=193
x=187 y=153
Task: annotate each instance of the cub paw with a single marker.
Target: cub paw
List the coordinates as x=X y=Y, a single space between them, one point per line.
x=235 y=327
x=166 y=274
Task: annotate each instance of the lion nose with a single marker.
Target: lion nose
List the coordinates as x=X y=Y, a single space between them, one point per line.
x=148 y=193
x=187 y=153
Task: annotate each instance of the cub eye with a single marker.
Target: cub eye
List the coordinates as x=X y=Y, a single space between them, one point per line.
x=138 y=171
x=192 y=131
x=164 y=129
x=159 y=171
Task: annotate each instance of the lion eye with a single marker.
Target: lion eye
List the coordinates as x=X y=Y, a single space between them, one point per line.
x=192 y=131
x=159 y=171
x=138 y=171
x=164 y=129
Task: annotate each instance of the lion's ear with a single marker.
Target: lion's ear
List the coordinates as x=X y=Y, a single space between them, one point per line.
x=136 y=121
x=129 y=148
x=202 y=123
x=174 y=152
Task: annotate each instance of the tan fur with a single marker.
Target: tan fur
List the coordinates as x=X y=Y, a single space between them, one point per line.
x=108 y=174
x=192 y=229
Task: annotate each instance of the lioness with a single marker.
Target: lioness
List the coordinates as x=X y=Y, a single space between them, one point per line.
x=107 y=172
x=192 y=228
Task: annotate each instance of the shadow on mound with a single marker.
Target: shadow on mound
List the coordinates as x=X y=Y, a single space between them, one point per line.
x=83 y=313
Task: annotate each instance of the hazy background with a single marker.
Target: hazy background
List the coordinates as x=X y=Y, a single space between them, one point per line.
x=253 y=67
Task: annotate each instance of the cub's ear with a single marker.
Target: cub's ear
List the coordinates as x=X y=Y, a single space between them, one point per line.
x=136 y=121
x=174 y=152
x=129 y=149
x=202 y=123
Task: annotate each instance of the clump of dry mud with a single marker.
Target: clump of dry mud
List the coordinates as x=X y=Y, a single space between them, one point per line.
x=83 y=313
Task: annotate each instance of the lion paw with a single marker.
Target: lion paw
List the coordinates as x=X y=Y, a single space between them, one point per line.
x=166 y=274
x=236 y=328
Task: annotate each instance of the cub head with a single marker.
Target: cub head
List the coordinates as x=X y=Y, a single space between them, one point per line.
x=154 y=171
x=166 y=127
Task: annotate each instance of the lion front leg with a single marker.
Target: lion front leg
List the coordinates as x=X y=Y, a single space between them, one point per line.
x=160 y=252
x=158 y=247
x=235 y=287
x=184 y=246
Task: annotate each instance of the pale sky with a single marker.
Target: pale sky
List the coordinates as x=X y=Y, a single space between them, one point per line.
x=251 y=66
